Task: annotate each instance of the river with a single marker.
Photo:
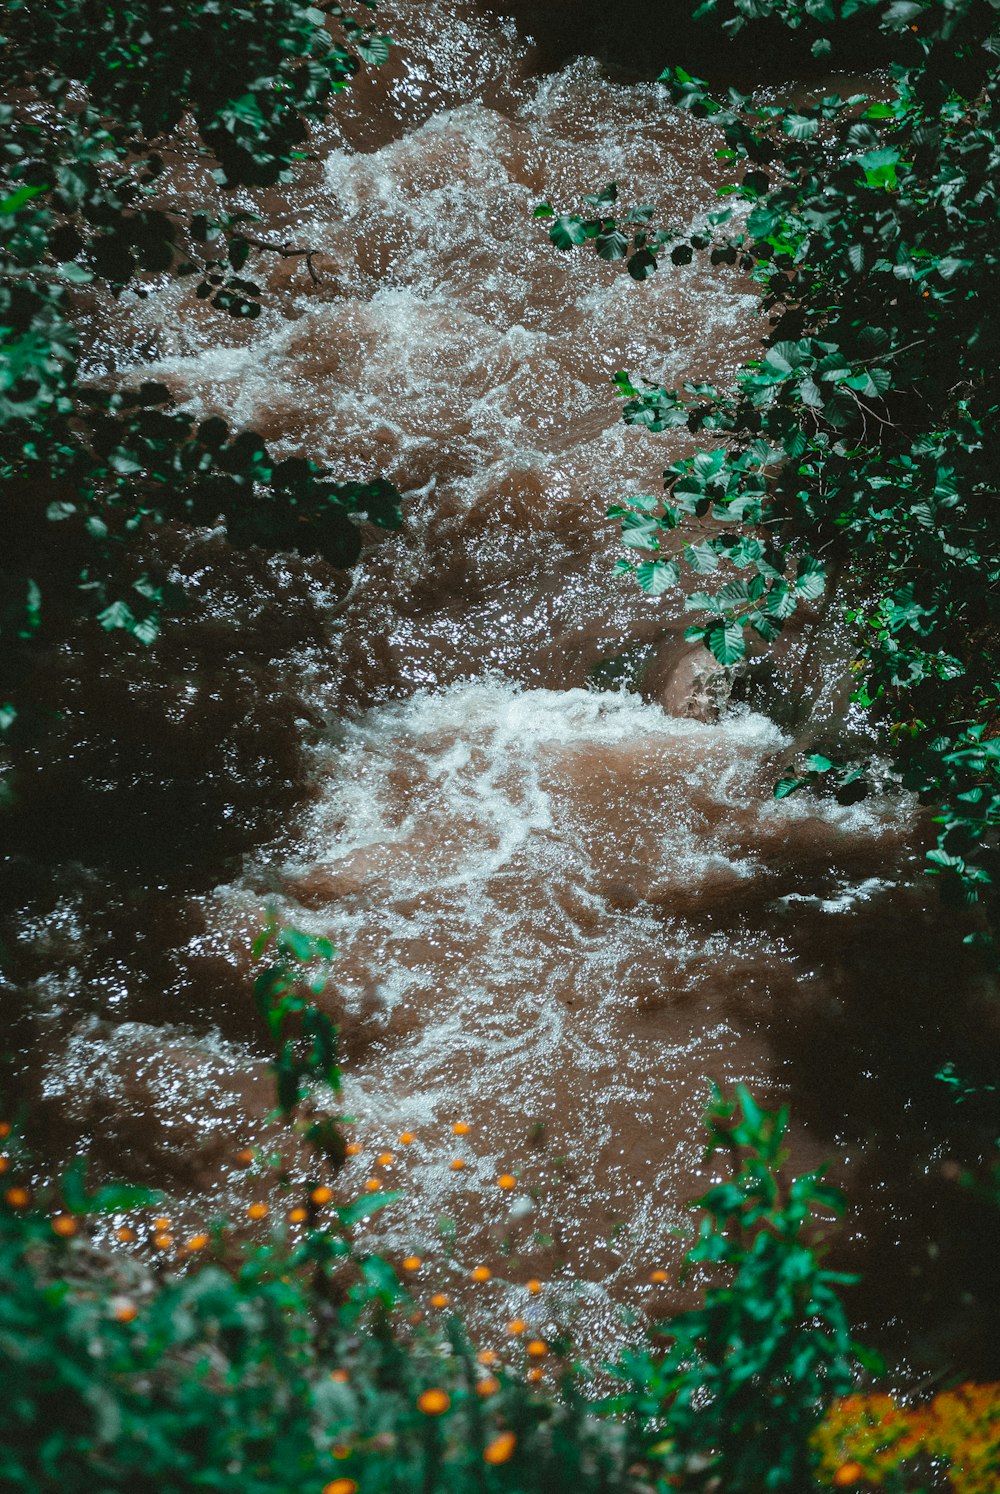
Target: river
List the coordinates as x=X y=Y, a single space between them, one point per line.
x=540 y=834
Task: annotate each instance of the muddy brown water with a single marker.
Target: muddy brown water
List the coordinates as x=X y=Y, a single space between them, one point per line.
x=540 y=834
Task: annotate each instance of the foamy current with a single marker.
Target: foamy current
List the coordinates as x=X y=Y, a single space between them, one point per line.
x=548 y=906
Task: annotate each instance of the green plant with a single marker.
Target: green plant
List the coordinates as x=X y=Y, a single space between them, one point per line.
x=94 y=96
x=855 y=451
x=733 y=1401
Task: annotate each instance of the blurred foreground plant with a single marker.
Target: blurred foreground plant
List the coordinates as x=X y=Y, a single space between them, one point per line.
x=300 y=1364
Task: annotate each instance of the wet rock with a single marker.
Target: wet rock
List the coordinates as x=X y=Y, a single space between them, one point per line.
x=695 y=686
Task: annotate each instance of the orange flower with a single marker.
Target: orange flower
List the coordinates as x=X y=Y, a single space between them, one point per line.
x=516 y=1326
x=163 y=1241
x=487 y=1356
x=506 y=1181
x=257 y=1210
x=847 y=1474
x=433 y=1402
x=18 y=1198
x=321 y=1196
x=538 y=1348
x=197 y=1242
x=657 y=1276
x=534 y=1375
x=298 y=1215
x=412 y=1263
x=439 y=1300
x=342 y=1486
x=64 y=1225
x=4 y=1164
x=487 y=1386
x=457 y=1164
x=534 y=1287
x=340 y=1375
x=385 y=1159
x=460 y=1128
x=126 y=1312
x=406 y=1138
x=245 y=1156
x=125 y=1234
x=481 y=1273
x=373 y=1185
x=352 y=1149
x=500 y=1449
x=161 y=1224
x=5 y=1128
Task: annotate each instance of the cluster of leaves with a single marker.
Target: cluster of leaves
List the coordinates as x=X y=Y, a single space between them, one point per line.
x=857 y=447
x=303 y=1036
x=911 y=26
x=89 y=88
x=733 y=1402
x=252 y=74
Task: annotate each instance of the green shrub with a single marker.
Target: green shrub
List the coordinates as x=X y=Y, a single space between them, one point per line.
x=91 y=92
x=858 y=446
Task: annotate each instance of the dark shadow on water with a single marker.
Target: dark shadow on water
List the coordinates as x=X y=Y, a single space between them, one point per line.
x=901 y=997
x=640 y=40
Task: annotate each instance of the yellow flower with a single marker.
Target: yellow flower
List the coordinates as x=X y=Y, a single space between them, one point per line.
x=433 y=1402
x=500 y=1449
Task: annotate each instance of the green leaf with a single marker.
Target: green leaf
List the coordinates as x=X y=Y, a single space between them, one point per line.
x=374 y=49
x=566 y=232
x=799 y=126
x=612 y=245
x=18 y=198
x=726 y=642
x=362 y=1208
x=657 y=576
x=702 y=558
